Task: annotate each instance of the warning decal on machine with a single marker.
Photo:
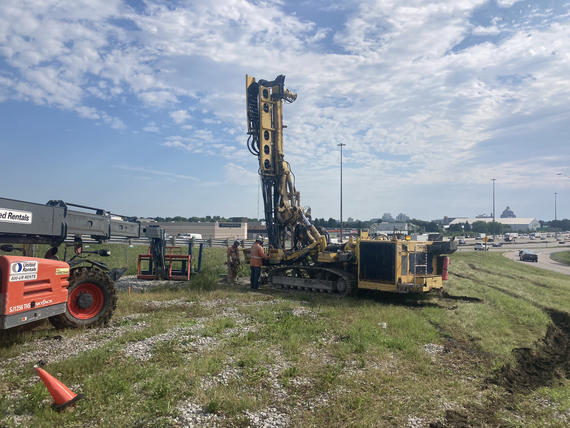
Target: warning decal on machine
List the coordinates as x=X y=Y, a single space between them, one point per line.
x=23 y=271
x=62 y=271
x=13 y=216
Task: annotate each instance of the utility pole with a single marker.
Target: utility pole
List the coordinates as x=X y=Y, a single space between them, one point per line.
x=341 y=145
x=493 y=180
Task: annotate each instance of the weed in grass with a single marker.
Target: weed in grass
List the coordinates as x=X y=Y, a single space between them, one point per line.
x=230 y=401
x=327 y=376
x=217 y=326
x=214 y=365
x=289 y=372
x=168 y=353
x=212 y=406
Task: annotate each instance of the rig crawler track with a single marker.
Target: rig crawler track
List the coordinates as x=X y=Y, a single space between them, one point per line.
x=312 y=278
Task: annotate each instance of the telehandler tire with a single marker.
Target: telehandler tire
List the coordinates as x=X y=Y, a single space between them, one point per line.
x=91 y=300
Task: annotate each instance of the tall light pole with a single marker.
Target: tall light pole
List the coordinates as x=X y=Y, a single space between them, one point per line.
x=341 y=145
x=555 y=206
x=493 y=180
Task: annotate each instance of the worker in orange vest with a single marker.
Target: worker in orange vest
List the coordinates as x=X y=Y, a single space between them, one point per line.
x=256 y=261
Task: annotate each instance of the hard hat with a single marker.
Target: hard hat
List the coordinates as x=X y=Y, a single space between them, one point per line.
x=236 y=243
x=259 y=238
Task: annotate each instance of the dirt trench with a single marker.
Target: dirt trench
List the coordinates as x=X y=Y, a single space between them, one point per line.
x=547 y=363
x=544 y=363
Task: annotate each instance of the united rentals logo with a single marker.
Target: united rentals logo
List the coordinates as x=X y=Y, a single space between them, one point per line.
x=23 y=271
x=14 y=216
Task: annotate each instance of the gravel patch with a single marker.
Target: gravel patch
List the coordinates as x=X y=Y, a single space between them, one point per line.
x=143 y=350
x=136 y=284
x=59 y=348
x=301 y=382
x=161 y=304
x=304 y=312
x=324 y=399
x=415 y=422
x=223 y=378
x=191 y=414
x=268 y=418
x=432 y=348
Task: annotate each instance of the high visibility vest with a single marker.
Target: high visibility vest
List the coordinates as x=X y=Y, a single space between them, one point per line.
x=257 y=255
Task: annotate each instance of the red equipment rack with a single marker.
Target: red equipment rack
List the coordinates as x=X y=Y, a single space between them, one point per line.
x=178 y=265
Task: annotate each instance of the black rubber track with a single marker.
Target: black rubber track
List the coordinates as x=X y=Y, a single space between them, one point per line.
x=341 y=275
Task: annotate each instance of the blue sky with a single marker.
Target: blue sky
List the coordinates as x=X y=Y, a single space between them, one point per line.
x=139 y=106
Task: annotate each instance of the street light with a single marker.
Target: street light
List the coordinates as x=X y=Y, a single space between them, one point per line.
x=555 y=206
x=341 y=145
x=493 y=180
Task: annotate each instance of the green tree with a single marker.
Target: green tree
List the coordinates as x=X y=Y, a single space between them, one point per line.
x=480 y=227
x=495 y=228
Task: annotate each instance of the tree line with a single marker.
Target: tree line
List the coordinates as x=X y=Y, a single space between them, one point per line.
x=417 y=226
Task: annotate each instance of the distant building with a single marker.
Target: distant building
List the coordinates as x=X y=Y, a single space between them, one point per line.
x=208 y=230
x=256 y=228
x=389 y=228
x=508 y=213
x=516 y=224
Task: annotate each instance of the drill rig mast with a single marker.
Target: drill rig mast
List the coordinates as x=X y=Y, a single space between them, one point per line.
x=284 y=216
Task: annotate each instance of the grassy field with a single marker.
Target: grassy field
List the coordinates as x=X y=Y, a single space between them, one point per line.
x=493 y=350
x=562 y=257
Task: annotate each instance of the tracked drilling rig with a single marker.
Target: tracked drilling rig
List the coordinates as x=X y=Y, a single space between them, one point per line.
x=301 y=255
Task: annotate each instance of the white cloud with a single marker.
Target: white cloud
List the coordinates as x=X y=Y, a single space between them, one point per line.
x=486 y=31
x=506 y=3
x=151 y=127
x=156 y=172
x=238 y=175
x=391 y=81
x=179 y=116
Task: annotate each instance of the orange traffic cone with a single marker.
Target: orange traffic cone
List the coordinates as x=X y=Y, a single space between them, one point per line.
x=61 y=394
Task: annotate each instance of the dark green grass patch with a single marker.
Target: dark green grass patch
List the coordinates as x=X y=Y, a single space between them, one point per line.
x=562 y=257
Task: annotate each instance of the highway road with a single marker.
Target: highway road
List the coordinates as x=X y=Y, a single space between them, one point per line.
x=543 y=248
x=544 y=260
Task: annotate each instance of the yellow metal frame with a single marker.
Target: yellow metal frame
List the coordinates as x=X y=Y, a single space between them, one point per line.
x=402 y=283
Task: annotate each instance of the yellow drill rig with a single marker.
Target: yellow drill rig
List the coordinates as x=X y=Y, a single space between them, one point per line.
x=301 y=255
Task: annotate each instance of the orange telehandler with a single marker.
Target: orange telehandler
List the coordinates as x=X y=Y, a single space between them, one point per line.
x=79 y=292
